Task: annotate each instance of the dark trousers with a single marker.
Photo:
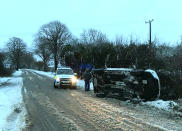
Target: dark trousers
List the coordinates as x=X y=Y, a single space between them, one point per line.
x=87 y=85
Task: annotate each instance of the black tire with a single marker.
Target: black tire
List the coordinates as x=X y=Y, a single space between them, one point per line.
x=55 y=86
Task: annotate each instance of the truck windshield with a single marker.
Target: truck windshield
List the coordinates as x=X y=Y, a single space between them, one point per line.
x=65 y=71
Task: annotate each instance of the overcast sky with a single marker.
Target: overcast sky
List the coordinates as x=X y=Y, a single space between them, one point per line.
x=23 y=18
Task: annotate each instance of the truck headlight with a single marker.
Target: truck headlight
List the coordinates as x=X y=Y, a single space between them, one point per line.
x=57 y=79
x=73 y=79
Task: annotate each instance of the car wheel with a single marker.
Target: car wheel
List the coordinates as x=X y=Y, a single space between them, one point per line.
x=55 y=86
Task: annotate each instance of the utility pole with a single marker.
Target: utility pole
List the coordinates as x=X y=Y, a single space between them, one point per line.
x=150 y=30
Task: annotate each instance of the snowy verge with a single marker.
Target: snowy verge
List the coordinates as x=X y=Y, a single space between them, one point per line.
x=162 y=105
x=48 y=74
x=4 y=80
x=81 y=84
x=11 y=104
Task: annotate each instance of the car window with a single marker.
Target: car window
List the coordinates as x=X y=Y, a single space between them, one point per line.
x=64 y=71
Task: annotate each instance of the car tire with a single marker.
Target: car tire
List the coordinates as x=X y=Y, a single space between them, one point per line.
x=55 y=86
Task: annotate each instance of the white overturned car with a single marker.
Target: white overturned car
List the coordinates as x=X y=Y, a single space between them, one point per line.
x=65 y=78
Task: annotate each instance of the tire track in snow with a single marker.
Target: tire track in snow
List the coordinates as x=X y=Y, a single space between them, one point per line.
x=108 y=116
x=53 y=109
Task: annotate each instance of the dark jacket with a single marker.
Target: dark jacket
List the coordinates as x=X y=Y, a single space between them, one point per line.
x=87 y=76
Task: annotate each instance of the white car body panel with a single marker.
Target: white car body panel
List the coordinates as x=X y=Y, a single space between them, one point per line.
x=65 y=76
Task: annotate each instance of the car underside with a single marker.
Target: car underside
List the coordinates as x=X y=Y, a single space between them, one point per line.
x=126 y=83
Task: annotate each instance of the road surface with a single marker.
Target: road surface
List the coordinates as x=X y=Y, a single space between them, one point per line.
x=52 y=109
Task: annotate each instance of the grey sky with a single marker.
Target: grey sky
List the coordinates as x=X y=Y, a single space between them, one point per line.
x=23 y=18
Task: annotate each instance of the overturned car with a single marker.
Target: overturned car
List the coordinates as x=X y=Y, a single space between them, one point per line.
x=126 y=83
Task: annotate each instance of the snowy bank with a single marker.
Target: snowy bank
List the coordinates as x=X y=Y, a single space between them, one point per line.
x=48 y=74
x=160 y=104
x=11 y=110
x=81 y=83
x=4 y=80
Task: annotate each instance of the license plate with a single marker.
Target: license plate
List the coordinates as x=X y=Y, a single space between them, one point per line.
x=65 y=82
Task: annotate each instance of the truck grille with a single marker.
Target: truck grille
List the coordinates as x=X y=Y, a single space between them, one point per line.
x=65 y=79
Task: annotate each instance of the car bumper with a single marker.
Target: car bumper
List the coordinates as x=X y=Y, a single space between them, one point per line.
x=64 y=83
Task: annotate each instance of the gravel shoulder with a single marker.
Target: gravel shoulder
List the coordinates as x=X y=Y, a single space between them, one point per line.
x=65 y=109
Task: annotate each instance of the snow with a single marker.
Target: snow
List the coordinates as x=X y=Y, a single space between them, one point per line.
x=122 y=69
x=4 y=79
x=17 y=73
x=153 y=73
x=11 y=99
x=61 y=67
x=162 y=105
x=48 y=74
x=81 y=83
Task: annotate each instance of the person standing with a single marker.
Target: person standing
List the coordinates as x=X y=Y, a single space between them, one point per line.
x=87 y=76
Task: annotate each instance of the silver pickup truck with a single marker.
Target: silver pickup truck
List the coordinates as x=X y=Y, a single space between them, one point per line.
x=65 y=77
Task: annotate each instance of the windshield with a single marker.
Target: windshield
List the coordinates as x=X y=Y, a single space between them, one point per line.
x=64 y=71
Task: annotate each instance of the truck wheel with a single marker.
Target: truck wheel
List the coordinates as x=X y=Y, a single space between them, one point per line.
x=55 y=86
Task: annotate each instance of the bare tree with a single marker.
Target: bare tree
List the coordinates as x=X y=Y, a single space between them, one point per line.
x=16 y=48
x=93 y=36
x=56 y=34
x=28 y=60
x=42 y=50
x=119 y=40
